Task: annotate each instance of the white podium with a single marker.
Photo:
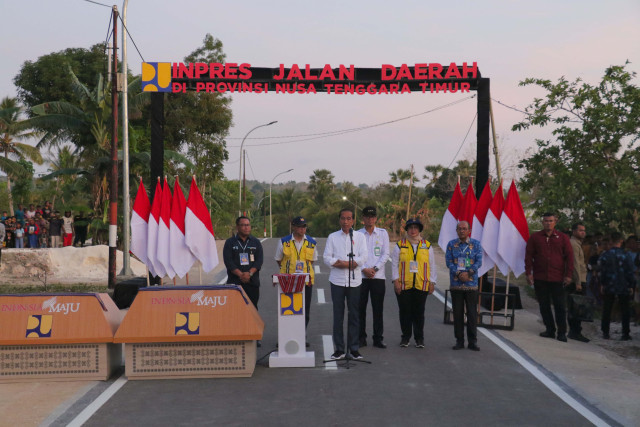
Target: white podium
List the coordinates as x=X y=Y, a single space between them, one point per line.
x=291 y=351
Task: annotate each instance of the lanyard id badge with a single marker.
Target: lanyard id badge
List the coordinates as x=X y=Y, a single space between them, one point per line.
x=244 y=258
x=299 y=267
x=463 y=263
x=413 y=266
x=377 y=251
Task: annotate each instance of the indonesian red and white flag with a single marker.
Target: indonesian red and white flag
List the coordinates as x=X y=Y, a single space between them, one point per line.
x=450 y=219
x=514 y=232
x=152 y=233
x=162 y=251
x=482 y=207
x=179 y=253
x=490 y=235
x=468 y=206
x=199 y=235
x=140 y=224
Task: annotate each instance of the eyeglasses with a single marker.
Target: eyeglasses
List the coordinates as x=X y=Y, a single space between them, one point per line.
x=244 y=225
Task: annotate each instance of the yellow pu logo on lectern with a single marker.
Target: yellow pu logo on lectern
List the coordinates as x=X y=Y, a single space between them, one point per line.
x=291 y=304
x=187 y=323
x=156 y=77
x=39 y=326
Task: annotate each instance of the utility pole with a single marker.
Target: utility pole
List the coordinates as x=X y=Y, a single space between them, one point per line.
x=495 y=143
x=126 y=204
x=409 y=199
x=113 y=184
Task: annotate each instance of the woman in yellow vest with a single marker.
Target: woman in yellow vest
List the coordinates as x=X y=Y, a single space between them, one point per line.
x=414 y=277
x=296 y=254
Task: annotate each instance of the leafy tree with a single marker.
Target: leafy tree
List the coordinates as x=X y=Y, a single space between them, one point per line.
x=590 y=169
x=442 y=181
x=14 y=151
x=46 y=79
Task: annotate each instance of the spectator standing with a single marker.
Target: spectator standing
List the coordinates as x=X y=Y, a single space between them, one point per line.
x=80 y=226
x=30 y=213
x=549 y=266
x=46 y=211
x=2 y=236
x=578 y=283
x=43 y=225
x=616 y=280
x=19 y=236
x=67 y=229
x=55 y=230
x=32 y=233
x=10 y=230
x=19 y=214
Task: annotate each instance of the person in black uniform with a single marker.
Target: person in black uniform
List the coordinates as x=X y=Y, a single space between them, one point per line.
x=243 y=257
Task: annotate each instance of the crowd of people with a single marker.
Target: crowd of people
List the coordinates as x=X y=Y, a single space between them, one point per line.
x=40 y=226
x=557 y=266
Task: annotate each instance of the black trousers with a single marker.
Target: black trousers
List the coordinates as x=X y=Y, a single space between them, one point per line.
x=253 y=292
x=575 y=325
x=411 y=303
x=607 y=306
x=375 y=288
x=460 y=299
x=549 y=293
x=338 y=296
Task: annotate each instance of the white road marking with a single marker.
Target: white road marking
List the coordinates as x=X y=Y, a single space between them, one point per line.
x=316 y=269
x=327 y=346
x=93 y=407
x=321 y=299
x=540 y=376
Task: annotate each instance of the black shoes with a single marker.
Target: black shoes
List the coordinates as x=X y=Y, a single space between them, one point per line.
x=404 y=342
x=578 y=337
x=338 y=355
x=419 y=343
x=548 y=334
x=626 y=337
x=605 y=335
x=458 y=346
x=473 y=347
x=259 y=343
x=355 y=355
x=379 y=344
x=562 y=337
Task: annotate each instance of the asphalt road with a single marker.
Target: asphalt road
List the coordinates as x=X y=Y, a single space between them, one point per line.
x=402 y=386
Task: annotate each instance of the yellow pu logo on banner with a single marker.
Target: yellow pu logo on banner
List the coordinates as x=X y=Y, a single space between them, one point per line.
x=291 y=304
x=156 y=77
x=39 y=326
x=187 y=324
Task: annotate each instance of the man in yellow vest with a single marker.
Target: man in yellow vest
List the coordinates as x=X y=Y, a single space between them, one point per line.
x=414 y=277
x=296 y=253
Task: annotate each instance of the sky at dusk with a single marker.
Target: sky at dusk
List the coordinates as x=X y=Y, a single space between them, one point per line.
x=510 y=41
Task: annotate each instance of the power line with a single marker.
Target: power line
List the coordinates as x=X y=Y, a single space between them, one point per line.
x=511 y=108
x=99 y=4
x=129 y=34
x=463 y=141
x=250 y=166
x=345 y=131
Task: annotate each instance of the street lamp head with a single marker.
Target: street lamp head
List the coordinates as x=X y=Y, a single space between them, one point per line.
x=344 y=197
x=269 y=124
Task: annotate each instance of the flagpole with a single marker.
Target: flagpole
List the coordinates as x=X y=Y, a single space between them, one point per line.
x=187 y=279
x=200 y=271
x=493 y=292
x=506 y=298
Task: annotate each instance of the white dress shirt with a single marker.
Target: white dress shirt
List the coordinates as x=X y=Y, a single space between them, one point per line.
x=337 y=249
x=395 y=258
x=377 y=241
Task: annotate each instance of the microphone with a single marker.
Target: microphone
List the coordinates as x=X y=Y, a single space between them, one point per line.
x=351 y=232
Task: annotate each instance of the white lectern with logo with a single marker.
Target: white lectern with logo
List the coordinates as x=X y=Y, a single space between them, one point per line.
x=291 y=351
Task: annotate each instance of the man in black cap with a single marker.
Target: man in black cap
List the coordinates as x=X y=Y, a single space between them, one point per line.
x=296 y=253
x=373 y=276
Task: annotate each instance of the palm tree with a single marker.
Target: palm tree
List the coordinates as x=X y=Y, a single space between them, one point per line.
x=12 y=129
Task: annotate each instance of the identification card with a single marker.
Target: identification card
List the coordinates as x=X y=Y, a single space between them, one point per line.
x=251 y=257
x=244 y=258
x=377 y=251
x=462 y=264
x=299 y=266
x=413 y=266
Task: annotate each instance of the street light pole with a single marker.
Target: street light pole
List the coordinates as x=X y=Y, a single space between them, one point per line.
x=354 y=204
x=240 y=173
x=270 y=212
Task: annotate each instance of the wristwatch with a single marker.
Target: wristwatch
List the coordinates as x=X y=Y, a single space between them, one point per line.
x=376 y=269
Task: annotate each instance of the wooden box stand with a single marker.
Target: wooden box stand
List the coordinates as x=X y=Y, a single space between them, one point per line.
x=58 y=337
x=190 y=332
